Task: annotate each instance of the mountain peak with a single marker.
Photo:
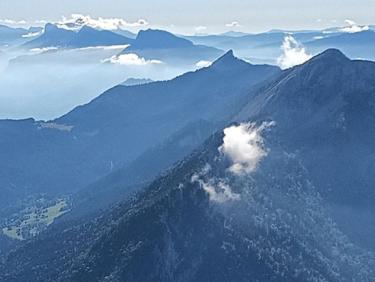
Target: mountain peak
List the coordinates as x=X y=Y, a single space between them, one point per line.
x=228 y=54
x=227 y=60
x=154 y=38
x=330 y=56
x=50 y=27
x=87 y=28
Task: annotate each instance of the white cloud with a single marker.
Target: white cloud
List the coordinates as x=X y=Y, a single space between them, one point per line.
x=203 y=64
x=218 y=191
x=243 y=145
x=353 y=27
x=200 y=28
x=233 y=24
x=77 y=20
x=293 y=53
x=12 y=22
x=44 y=49
x=111 y=47
x=318 y=37
x=32 y=34
x=131 y=60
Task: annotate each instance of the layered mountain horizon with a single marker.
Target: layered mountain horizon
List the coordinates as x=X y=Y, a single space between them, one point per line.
x=274 y=186
x=225 y=142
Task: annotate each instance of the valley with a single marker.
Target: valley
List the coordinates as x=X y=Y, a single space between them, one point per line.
x=29 y=222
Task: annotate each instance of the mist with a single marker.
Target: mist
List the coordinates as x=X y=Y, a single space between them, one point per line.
x=45 y=84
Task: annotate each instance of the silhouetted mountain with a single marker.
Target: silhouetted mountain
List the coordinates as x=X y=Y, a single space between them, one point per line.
x=261 y=47
x=280 y=221
x=125 y=33
x=12 y=36
x=164 y=46
x=54 y=36
x=234 y=33
x=355 y=45
x=159 y=39
x=88 y=36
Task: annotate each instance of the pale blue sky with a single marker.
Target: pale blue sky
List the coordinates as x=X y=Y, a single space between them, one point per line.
x=186 y=16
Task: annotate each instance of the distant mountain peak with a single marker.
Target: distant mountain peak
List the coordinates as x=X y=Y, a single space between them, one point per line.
x=49 y=27
x=155 y=38
x=87 y=28
x=227 y=57
x=227 y=60
x=229 y=54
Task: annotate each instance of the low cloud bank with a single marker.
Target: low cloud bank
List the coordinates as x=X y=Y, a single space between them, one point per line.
x=203 y=64
x=293 y=53
x=353 y=27
x=131 y=60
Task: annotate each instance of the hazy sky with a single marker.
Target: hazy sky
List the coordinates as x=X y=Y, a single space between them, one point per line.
x=201 y=15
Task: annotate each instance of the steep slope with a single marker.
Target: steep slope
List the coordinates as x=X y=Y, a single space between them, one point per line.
x=329 y=102
x=251 y=205
x=62 y=156
x=165 y=46
x=325 y=114
x=119 y=185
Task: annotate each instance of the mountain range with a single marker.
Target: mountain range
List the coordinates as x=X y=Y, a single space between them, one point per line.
x=14 y=36
x=53 y=36
x=259 y=47
x=277 y=193
x=164 y=46
x=52 y=159
x=167 y=47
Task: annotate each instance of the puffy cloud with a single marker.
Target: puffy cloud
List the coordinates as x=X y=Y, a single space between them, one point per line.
x=131 y=60
x=203 y=64
x=233 y=24
x=243 y=145
x=78 y=20
x=293 y=53
x=353 y=27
